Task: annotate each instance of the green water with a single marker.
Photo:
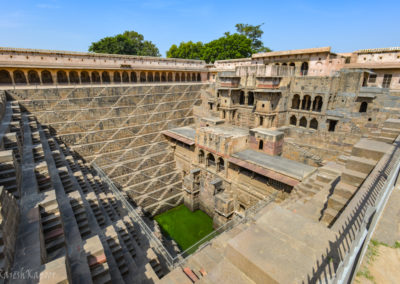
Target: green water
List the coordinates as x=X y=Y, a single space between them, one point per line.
x=183 y=226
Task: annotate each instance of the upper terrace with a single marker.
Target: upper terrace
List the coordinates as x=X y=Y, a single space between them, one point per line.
x=23 y=57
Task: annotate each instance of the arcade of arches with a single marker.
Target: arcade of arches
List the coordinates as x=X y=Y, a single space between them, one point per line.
x=307 y=103
x=36 y=77
x=304 y=122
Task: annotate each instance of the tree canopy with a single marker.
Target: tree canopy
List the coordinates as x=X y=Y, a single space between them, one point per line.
x=130 y=42
x=243 y=43
x=254 y=33
x=230 y=46
x=188 y=50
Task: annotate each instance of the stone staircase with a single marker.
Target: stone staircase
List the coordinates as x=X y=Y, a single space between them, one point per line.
x=310 y=196
x=278 y=246
x=389 y=132
x=56 y=209
x=119 y=128
x=365 y=155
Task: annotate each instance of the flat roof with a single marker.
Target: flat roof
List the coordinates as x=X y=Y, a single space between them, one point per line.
x=292 y=52
x=78 y=53
x=226 y=131
x=378 y=50
x=272 y=132
x=289 y=168
x=372 y=65
x=184 y=134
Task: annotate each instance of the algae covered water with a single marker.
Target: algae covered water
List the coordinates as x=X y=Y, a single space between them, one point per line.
x=184 y=226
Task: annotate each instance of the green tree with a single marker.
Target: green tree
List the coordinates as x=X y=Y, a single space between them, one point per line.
x=188 y=50
x=230 y=46
x=130 y=42
x=254 y=33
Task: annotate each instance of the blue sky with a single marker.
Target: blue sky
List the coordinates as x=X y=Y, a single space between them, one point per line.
x=73 y=25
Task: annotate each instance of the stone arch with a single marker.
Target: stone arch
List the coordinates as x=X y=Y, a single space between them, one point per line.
x=221 y=164
x=117 y=77
x=19 y=77
x=95 y=77
x=142 y=77
x=250 y=99
x=125 y=77
x=133 y=77
x=169 y=77
x=183 y=77
x=85 y=78
x=149 y=76
x=304 y=69
x=303 y=122
x=177 y=77
x=193 y=77
x=5 y=77
x=292 y=64
x=33 y=77
x=105 y=77
x=241 y=98
x=157 y=77
x=73 y=77
x=314 y=123
x=261 y=120
x=306 y=103
x=296 y=101
x=198 y=77
x=163 y=77
x=363 y=107
x=46 y=77
x=210 y=160
x=317 y=104
x=201 y=156
x=293 y=120
x=62 y=77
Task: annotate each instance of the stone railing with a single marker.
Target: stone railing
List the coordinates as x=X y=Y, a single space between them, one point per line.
x=357 y=222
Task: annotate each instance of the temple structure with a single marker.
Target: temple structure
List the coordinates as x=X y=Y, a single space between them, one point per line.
x=287 y=151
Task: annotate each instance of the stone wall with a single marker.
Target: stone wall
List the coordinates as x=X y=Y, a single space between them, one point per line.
x=119 y=128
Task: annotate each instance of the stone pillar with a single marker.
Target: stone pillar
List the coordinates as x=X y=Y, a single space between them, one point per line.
x=191 y=186
x=223 y=208
x=26 y=77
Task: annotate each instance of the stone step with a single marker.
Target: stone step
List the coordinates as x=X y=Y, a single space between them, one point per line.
x=8 y=181
x=345 y=190
x=392 y=131
x=363 y=165
x=337 y=202
x=269 y=252
x=370 y=149
x=332 y=168
x=342 y=159
x=100 y=273
x=56 y=223
x=392 y=123
x=308 y=190
x=354 y=178
x=330 y=215
x=325 y=178
x=384 y=139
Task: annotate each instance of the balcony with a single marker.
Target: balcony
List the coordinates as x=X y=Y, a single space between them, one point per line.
x=268 y=82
